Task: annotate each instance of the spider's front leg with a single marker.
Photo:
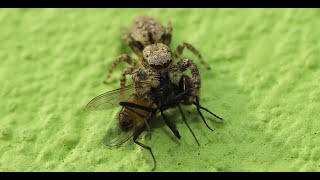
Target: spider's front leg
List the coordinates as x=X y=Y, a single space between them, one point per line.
x=183 y=45
x=181 y=67
x=141 y=77
x=123 y=78
x=123 y=57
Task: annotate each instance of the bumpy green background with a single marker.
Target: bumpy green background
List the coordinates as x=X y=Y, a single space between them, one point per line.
x=264 y=82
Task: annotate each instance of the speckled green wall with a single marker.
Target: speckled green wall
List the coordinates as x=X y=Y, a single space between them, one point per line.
x=264 y=82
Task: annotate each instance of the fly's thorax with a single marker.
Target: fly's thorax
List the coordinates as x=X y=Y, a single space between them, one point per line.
x=147 y=30
x=163 y=92
x=158 y=57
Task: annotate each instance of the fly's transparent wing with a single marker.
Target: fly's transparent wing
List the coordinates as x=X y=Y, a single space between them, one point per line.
x=115 y=136
x=110 y=99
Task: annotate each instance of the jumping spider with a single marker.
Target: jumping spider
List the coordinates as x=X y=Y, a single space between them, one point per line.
x=149 y=40
x=156 y=64
x=159 y=82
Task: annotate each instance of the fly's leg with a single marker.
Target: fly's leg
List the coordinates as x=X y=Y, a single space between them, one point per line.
x=171 y=125
x=183 y=45
x=179 y=98
x=185 y=121
x=123 y=57
x=198 y=109
x=197 y=104
x=145 y=147
x=182 y=66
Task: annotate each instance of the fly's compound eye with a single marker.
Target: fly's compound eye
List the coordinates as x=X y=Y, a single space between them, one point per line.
x=125 y=123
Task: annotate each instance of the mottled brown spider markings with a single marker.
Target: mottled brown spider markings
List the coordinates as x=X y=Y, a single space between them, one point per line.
x=149 y=40
x=158 y=63
x=145 y=30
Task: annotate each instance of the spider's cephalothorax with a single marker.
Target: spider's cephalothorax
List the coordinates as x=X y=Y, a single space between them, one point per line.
x=157 y=56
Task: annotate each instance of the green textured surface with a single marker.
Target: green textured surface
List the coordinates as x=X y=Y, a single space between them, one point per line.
x=264 y=82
